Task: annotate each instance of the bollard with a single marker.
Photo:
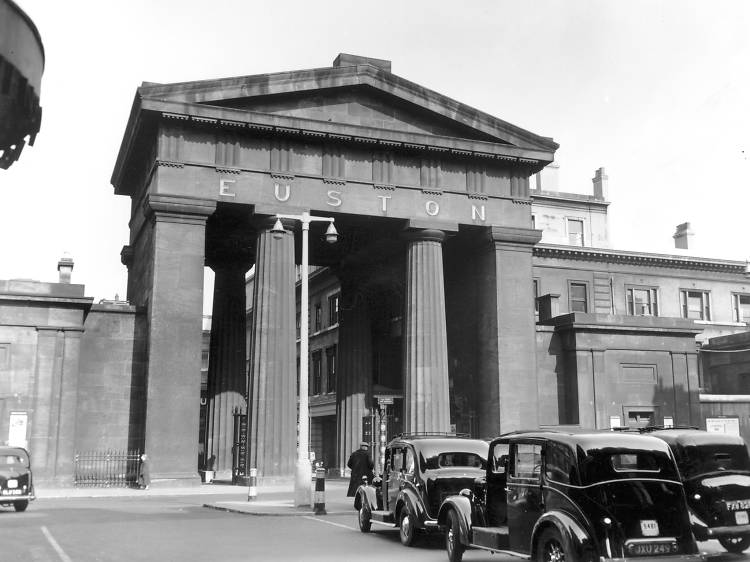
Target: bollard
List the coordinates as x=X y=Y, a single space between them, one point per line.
x=320 y=492
x=252 y=490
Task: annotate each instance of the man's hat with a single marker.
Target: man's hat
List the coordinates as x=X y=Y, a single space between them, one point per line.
x=364 y=444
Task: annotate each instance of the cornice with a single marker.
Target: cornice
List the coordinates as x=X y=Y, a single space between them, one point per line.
x=237 y=119
x=638 y=258
x=514 y=235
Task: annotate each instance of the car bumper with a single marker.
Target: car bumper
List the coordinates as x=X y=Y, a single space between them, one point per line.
x=660 y=558
x=729 y=530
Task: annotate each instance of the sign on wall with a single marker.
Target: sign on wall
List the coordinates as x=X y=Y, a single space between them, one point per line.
x=17 y=429
x=730 y=426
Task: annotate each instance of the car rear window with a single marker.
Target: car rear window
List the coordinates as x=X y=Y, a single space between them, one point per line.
x=705 y=459
x=600 y=465
x=461 y=459
x=456 y=459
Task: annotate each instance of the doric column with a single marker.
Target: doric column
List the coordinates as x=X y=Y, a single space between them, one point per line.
x=171 y=251
x=272 y=431
x=226 y=385
x=354 y=379
x=426 y=399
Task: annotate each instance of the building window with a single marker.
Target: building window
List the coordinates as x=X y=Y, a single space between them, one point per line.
x=333 y=309
x=317 y=372
x=318 y=317
x=331 y=369
x=299 y=324
x=695 y=304
x=533 y=221
x=535 y=295
x=642 y=301
x=578 y=296
x=575 y=232
x=741 y=305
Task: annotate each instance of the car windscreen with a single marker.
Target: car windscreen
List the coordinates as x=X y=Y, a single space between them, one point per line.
x=601 y=465
x=695 y=460
x=13 y=458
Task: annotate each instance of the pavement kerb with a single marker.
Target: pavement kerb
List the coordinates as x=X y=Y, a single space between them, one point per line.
x=274 y=511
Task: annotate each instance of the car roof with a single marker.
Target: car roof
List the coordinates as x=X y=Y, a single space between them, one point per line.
x=444 y=443
x=6 y=450
x=591 y=439
x=696 y=437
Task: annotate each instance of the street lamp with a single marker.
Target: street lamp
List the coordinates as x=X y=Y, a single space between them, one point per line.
x=304 y=469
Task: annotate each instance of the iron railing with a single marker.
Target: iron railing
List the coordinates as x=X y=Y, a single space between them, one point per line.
x=107 y=469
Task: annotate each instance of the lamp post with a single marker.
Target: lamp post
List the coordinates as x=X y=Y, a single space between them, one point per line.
x=302 y=479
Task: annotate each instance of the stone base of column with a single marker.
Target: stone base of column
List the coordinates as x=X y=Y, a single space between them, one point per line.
x=303 y=484
x=175 y=480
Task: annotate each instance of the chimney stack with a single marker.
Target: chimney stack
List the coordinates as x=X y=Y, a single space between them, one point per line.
x=65 y=267
x=683 y=236
x=601 y=187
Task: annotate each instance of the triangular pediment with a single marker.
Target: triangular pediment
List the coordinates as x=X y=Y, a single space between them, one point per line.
x=357 y=94
x=360 y=105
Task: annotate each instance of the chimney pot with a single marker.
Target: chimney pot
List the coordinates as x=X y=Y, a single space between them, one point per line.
x=601 y=184
x=65 y=268
x=683 y=236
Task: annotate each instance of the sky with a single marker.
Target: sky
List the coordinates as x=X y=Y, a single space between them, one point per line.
x=657 y=92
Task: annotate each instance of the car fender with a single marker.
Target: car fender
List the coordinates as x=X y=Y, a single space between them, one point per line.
x=577 y=536
x=462 y=506
x=408 y=497
x=366 y=495
x=699 y=527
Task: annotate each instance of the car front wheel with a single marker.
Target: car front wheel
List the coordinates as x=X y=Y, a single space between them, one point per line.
x=21 y=505
x=551 y=548
x=735 y=544
x=365 y=523
x=406 y=528
x=453 y=545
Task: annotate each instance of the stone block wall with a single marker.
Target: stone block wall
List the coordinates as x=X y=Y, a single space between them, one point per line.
x=111 y=393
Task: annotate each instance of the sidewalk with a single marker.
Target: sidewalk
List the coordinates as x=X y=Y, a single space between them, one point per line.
x=281 y=503
x=271 y=499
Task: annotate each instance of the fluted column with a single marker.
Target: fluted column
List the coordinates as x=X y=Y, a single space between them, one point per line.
x=272 y=431
x=226 y=367
x=426 y=399
x=354 y=379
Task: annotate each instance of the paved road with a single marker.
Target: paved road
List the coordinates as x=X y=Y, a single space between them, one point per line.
x=178 y=528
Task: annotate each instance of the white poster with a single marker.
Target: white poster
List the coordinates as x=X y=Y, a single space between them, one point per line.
x=17 y=429
x=723 y=425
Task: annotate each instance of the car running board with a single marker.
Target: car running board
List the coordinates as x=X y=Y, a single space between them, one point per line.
x=382 y=517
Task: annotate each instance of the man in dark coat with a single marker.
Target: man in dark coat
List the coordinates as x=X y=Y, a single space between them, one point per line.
x=361 y=465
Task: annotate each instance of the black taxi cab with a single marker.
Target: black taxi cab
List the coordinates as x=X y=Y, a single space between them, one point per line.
x=715 y=470
x=16 y=485
x=420 y=471
x=563 y=496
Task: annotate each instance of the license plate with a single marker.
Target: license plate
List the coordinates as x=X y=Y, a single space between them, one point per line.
x=650 y=528
x=15 y=492
x=741 y=518
x=651 y=549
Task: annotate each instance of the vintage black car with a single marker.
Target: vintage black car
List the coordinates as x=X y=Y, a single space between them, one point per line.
x=420 y=471
x=554 y=496
x=16 y=485
x=715 y=471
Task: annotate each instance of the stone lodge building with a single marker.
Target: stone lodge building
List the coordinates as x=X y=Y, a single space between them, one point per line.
x=425 y=308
